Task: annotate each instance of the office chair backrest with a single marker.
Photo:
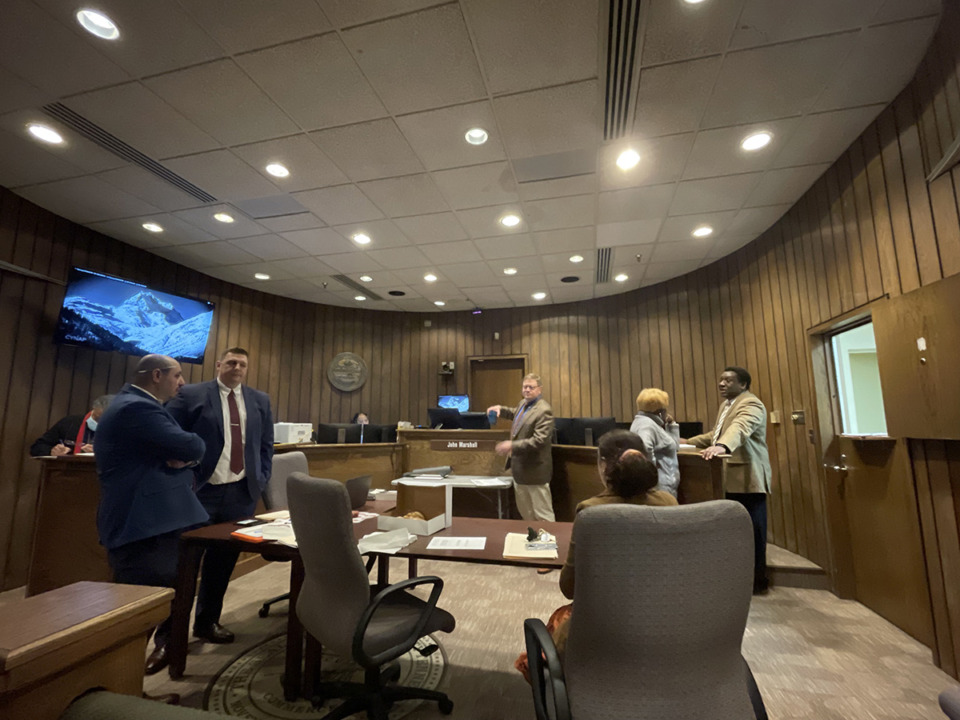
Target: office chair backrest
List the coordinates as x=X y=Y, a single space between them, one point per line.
x=335 y=589
x=660 y=606
x=284 y=465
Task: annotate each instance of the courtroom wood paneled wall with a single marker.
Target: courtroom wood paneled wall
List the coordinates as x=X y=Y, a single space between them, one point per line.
x=869 y=227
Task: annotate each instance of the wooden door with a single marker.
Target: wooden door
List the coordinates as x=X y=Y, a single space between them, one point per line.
x=496 y=381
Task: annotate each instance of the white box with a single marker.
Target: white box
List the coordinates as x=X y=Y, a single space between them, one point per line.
x=417 y=527
x=292 y=432
x=436 y=502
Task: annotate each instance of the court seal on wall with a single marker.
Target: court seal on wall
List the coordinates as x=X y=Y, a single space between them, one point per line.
x=347 y=372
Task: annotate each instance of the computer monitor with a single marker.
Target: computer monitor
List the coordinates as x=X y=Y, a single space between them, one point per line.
x=474 y=421
x=564 y=428
x=595 y=427
x=444 y=418
x=330 y=433
x=690 y=429
x=460 y=402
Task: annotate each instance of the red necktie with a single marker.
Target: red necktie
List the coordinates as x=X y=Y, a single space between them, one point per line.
x=236 y=437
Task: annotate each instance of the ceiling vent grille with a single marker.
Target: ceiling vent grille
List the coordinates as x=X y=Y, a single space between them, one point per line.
x=604 y=258
x=354 y=285
x=118 y=147
x=622 y=45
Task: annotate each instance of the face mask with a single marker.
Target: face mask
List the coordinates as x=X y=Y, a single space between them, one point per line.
x=92 y=424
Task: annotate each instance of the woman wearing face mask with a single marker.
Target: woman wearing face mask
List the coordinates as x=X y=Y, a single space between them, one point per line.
x=660 y=435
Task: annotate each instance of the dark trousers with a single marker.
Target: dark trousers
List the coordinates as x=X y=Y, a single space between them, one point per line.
x=151 y=561
x=756 y=505
x=224 y=503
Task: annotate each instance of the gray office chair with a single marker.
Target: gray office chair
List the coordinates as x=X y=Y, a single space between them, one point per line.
x=275 y=498
x=950 y=702
x=660 y=606
x=341 y=610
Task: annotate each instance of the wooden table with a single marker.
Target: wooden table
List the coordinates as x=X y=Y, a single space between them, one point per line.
x=193 y=543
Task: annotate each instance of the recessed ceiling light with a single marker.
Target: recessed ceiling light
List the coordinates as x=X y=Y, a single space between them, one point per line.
x=223 y=217
x=703 y=231
x=622 y=277
x=366 y=278
x=261 y=276
x=45 y=133
x=360 y=298
x=539 y=295
x=277 y=170
x=756 y=140
x=152 y=227
x=96 y=23
x=576 y=258
x=509 y=271
x=439 y=303
x=476 y=136
x=693 y=2
x=430 y=277
x=510 y=220
x=361 y=239
x=628 y=159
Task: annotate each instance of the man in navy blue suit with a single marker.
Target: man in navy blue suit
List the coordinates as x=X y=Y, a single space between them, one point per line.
x=146 y=486
x=236 y=424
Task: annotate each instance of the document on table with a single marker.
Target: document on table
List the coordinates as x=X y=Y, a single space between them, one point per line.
x=424 y=481
x=516 y=546
x=487 y=482
x=457 y=543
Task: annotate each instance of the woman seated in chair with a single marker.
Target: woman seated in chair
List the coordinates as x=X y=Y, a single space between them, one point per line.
x=628 y=477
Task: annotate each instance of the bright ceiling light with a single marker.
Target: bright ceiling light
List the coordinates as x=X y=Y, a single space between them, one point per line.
x=622 y=277
x=576 y=258
x=277 y=170
x=96 y=23
x=439 y=303
x=756 y=140
x=223 y=217
x=509 y=271
x=45 y=133
x=359 y=298
x=510 y=220
x=703 y=231
x=361 y=239
x=628 y=159
x=476 y=136
x=693 y=2
x=430 y=277
x=366 y=278
x=152 y=227
x=261 y=276
x=539 y=295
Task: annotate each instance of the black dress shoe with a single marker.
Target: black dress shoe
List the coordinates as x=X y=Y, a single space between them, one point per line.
x=166 y=698
x=157 y=660
x=214 y=632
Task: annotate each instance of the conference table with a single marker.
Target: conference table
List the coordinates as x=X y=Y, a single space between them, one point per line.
x=296 y=682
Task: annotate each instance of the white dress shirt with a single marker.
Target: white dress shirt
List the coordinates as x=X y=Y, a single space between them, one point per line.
x=222 y=475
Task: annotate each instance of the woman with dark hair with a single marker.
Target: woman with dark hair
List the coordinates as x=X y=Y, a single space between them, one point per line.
x=361 y=418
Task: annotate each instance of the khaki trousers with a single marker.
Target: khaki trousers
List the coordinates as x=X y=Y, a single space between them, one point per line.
x=534 y=501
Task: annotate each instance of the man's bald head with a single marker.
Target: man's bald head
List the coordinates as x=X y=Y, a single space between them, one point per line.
x=159 y=375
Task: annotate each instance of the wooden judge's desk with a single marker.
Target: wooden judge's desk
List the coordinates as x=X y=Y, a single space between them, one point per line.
x=66 y=548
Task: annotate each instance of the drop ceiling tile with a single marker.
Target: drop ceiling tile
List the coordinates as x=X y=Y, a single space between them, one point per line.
x=572 y=293
x=382 y=233
x=711 y=194
x=269 y=247
x=18 y=94
x=244 y=274
x=513 y=246
x=470 y=274
x=250 y=27
x=370 y=150
x=726 y=245
x=293 y=287
x=659 y=272
x=29 y=163
x=327 y=88
x=524 y=297
x=309 y=167
x=717 y=153
x=345 y=13
x=382 y=280
x=681 y=250
x=560 y=263
x=443 y=290
x=319 y=241
x=785 y=185
x=404 y=196
x=524 y=46
x=211 y=94
x=893 y=10
x=678 y=30
x=490 y=297
x=753 y=221
x=556 y=119
x=303 y=267
x=437 y=136
x=414 y=304
x=566 y=240
x=202 y=217
x=339 y=205
x=766 y=22
x=616 y=288
x=661 y=161
x=641 y=203
x=451 y=252
x=85 y=199
x=671 y=98
x=285 y=223
x=483 y=222
x=418 y=61
x=357 y=261
x=437 y=227
x=823 y=137
x=785 y=80
x=175 y=231
x=632 y=258
x=223 y=175
x=149 y=187
x=676 y=229
x=576 y=211
x=75 y=150
x=528 y=265
x=561 y=187
x=397 y=259
x=206 y=254
x=628 y=233
x=478 y=185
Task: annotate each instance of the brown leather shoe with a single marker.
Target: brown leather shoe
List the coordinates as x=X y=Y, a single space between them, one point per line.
x=157 y=660
x=166 y=698
x=214 y=632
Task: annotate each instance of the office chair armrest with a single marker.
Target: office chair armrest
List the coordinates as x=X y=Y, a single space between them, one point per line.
x=430 y=605
x=544 y=664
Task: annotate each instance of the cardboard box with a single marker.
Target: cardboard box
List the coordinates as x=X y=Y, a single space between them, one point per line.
x=435 y=503
x=292 y=432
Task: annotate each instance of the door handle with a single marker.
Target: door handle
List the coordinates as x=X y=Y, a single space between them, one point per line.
x=842 y=467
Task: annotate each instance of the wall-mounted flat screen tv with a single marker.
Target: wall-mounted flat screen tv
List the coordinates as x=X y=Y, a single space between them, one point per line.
x=458 y=402
x=108 y=313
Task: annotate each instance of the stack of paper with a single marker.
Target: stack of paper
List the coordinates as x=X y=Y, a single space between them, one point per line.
x=516 y=547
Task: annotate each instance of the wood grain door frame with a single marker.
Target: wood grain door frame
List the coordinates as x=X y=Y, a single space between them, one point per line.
x=482 y=358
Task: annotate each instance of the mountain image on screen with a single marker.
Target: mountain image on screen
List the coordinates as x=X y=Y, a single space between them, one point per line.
x=142 y=324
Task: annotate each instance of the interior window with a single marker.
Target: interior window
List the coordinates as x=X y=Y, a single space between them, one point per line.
x=858 y=381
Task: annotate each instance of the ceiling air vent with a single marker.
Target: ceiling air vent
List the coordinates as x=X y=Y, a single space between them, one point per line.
x=112 y=143
x=604 y=257
x=622 y=48
x=354 y=285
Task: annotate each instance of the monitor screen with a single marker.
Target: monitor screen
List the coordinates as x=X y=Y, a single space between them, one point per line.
x=329 y=433
x=107 y=313
x=459 y=402
x=444 y=418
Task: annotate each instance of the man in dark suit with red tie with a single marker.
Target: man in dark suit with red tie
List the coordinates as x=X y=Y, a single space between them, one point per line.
x=236 y=424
